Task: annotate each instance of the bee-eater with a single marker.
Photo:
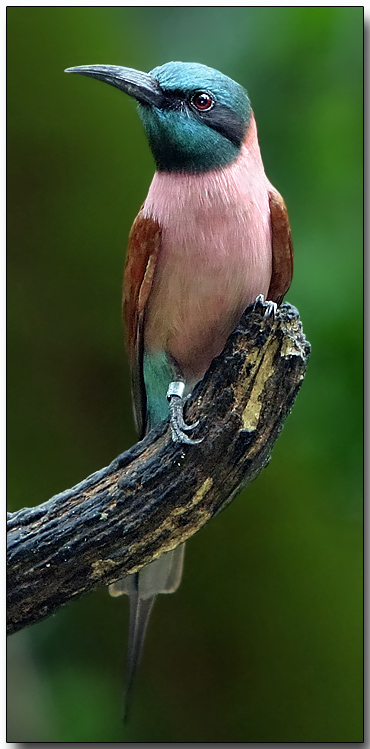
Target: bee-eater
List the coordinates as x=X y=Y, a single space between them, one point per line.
x=212 y=235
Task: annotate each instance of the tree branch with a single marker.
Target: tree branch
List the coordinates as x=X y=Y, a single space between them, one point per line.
x=159 y=493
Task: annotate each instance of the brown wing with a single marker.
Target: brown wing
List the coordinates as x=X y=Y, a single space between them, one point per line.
x=142 y=252
x=282 y=249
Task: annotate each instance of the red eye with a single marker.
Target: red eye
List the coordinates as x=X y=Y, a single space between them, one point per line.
x=202 y=101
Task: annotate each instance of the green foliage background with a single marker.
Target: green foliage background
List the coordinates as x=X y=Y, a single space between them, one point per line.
x=263 y=641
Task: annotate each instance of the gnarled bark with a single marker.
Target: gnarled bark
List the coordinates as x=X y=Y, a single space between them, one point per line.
x=158 y=493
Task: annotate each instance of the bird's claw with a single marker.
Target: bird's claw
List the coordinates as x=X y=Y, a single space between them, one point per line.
x=271 y=307
x=260 y=299
x=271 y=310
x=184 y=426
x=179 y=427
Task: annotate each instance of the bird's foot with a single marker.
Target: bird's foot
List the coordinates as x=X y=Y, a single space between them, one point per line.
x=260 y=299
x=271 y=307
x=179 y=427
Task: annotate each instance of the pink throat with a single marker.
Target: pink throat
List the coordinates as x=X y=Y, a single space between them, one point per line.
x=171 y=193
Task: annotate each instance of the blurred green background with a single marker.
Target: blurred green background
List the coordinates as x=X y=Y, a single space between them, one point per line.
x=263 y=641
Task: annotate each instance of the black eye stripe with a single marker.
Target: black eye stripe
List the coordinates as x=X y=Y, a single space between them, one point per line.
x=218 y=116
x=229 y=124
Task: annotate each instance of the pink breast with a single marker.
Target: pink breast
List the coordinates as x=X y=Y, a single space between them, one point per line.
x=215 y=257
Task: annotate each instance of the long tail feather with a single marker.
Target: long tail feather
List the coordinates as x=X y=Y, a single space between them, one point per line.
x=163 y=575
x=140 y=609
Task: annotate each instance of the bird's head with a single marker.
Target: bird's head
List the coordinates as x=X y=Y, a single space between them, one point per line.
x=195 y=117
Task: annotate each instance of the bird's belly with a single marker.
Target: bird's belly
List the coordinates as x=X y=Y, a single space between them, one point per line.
x=203 y=282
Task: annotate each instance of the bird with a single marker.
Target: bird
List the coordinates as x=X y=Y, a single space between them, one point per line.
x=212 y=236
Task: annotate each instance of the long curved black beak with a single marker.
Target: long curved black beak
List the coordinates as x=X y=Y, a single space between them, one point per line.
x=141 y=86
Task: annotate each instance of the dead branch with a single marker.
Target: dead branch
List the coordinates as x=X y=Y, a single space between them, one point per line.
x=158 y=493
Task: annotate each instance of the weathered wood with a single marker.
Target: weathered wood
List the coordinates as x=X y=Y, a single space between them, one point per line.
x=158 y=493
